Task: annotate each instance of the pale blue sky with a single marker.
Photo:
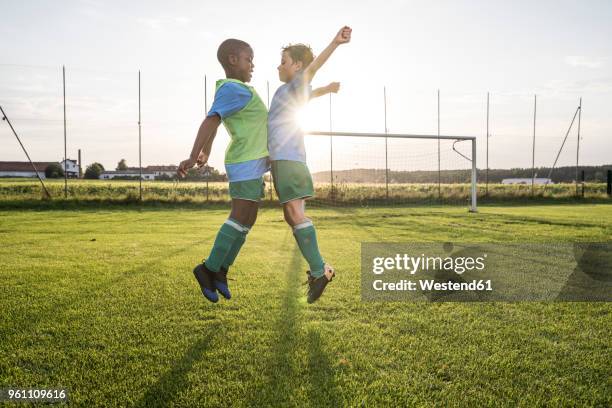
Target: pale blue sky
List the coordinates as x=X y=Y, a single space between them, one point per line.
x=560 y=50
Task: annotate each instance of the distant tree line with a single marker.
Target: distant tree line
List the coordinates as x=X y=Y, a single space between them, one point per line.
x=559 y=175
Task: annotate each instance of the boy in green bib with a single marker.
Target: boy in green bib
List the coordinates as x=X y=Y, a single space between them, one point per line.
x=292 y=179
x=244 y=116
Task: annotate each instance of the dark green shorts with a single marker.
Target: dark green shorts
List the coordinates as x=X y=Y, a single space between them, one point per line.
x=252 y=190
x=292 y=180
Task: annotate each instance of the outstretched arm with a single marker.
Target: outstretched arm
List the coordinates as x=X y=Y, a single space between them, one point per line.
x=202 y=145
x=333 y=87
x=343 y=37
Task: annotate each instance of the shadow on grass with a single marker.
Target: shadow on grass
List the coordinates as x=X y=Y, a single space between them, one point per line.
x=323 y=390
x=280 y=371
x=166 y=388
x=363 y=226
x=284 y=376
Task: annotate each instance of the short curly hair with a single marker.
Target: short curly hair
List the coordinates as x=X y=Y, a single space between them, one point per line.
x=300 y=52
x=231 y=46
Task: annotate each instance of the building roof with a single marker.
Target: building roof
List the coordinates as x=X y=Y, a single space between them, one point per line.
x=24 y=166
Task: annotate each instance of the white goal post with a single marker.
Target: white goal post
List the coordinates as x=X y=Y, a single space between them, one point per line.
x=472 y=159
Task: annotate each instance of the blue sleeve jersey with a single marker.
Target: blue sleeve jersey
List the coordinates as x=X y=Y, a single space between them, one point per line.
x=229 y=99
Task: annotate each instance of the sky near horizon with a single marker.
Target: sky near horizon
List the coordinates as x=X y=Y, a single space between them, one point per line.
x=559 y=50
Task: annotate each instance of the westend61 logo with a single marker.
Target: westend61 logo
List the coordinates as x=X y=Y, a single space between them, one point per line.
x=460 y=272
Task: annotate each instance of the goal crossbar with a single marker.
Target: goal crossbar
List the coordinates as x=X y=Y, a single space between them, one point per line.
x=392 y=135
x=473 y=191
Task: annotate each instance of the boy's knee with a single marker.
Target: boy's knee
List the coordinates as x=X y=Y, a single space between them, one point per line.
x=288 y=218
x=253 y=217
x=294 y=214
x=244 y=212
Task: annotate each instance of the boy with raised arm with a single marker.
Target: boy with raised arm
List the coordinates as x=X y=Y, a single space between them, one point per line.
x=292 y=179
x=245 y=117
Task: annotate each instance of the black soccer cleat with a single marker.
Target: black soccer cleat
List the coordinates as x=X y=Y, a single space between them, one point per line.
x=316 y=286
x=220 y=282
x=205 y=279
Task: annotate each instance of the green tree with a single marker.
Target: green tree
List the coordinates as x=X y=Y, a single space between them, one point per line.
x=93 y=171
x=122 y=165
x=54 y=170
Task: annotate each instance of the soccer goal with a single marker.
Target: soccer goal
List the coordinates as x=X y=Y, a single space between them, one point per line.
x=351 y=168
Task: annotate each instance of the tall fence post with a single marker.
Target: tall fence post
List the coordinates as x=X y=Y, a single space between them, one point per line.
x=65 y=144
x=331 y=153
x=439 y=162
x=139 y=139
x=473 y=207
x=535 y=105
x=487 y=161
x=386 y=148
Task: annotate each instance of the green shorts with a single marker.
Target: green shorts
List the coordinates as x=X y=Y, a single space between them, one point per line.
x=292 y=180
x=252 y=190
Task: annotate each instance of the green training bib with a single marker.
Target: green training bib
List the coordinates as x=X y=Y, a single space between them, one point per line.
x=248 y=128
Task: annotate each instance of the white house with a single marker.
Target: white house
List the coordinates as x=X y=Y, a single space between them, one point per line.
x=169 y=170
x=159 y=170
x=109 y=175
x=527 y=181
x=71 y=167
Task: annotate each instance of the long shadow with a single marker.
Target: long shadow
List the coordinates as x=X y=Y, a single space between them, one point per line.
x=323 y=390
x=165 y=389
x=279 y=370
x=283 y=375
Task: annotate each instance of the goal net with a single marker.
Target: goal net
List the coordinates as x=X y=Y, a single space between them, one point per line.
x=391 y=169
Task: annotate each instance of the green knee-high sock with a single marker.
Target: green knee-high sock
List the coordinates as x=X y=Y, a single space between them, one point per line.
x=306 y=238
x=233 y=253
x=230 y=232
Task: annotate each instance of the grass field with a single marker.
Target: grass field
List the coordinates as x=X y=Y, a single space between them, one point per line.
x=103 y=302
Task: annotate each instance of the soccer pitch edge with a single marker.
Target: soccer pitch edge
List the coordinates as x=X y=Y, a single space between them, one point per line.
x=103 y=302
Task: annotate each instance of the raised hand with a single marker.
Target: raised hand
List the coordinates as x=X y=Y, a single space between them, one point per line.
x=343 y=36
x=333 y=87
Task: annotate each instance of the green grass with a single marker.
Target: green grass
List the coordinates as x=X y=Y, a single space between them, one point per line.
x=102 y=301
